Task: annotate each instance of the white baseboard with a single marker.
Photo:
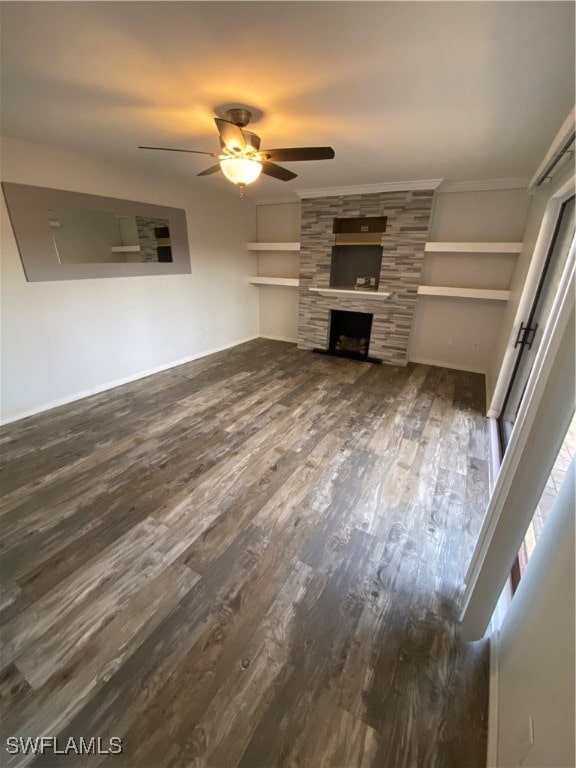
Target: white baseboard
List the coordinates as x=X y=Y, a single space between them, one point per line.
x=118 y=382
x=278 y=338
x=444 y=364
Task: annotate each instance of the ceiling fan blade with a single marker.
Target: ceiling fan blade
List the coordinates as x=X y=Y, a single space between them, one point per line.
x=231 y=134
x=271 y=169
x=208 y=171
x=171 y=149
x=291 y=154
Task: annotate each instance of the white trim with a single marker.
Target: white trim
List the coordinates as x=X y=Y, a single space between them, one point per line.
x=290 y=282
x=561 y=137
x=367 y=189
x=272 y=246
x=438 y=247
x=445 y=364
x=484 y=294
x=542 y=369
x=334 y=293
x=545 y=411
x=119 y=382
x=482 y=185
x=488 y=387
x=125 y=249
x=495 y=453
x=538 y=259
x=493 y=701
x=278 y=338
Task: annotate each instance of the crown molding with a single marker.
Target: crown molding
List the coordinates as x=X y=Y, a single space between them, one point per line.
x=483 y=185
x=290 y=199
x=367 y=189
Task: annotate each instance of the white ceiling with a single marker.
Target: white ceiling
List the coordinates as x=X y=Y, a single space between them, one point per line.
x=401 y=90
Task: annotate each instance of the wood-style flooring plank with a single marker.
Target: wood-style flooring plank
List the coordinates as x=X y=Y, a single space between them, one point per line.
x=254 y=559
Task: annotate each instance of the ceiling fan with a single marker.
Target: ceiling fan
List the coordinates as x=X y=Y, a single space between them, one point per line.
x=242 y=161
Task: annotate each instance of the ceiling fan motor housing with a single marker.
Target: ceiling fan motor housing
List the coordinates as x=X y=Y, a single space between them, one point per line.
x=239 y=116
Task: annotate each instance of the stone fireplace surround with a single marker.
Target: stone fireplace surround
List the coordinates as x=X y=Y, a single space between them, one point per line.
x=408 y=218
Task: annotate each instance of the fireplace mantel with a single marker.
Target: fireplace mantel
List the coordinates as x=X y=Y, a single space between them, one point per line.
x=329 y=293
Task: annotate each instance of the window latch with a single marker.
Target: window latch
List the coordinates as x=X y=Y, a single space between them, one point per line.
x=526 y=335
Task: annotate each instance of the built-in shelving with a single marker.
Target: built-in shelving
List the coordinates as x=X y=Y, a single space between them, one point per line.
x=473 y=247
x=331 y=292
x=291 y=282
x=464 y=293
x=450 y=250
x=273 y=246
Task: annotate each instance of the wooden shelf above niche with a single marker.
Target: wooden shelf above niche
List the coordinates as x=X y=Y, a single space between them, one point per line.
x=273 y=246
x=489 y=294
x=464 y=248
x=291 y=282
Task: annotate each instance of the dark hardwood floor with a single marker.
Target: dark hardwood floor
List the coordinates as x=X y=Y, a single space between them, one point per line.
x=254 y=559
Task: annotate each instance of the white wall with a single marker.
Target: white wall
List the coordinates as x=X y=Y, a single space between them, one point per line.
x=279 y=313
x=536 y=651
x=61 y=340
x=479 y=216
x=446 y=331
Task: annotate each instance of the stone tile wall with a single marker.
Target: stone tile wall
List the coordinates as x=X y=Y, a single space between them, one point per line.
x=408 y=218
x=147 y=238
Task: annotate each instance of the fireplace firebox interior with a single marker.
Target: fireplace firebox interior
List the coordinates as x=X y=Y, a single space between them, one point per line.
x=350 y=333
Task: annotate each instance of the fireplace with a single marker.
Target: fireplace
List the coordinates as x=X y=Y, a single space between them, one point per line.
x=378 y=240
x=350 y=334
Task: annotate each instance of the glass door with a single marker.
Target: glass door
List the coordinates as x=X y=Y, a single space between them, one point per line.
x=528 y=342
x=531 y=331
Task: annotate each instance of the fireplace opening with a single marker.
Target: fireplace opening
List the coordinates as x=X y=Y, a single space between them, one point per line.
x=350 y=335
x=356 y=266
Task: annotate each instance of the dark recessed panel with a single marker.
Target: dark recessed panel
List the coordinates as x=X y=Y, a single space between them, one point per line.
x=356 y=265
x=360 y=224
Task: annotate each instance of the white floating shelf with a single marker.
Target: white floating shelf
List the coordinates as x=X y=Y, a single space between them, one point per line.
x=292 y=282
x=464 y=293
x=125 y=249
x=329 y=293
x=273 y=246
x=473 y=247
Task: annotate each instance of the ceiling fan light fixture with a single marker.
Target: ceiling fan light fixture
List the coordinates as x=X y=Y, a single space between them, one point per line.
x=240 y=170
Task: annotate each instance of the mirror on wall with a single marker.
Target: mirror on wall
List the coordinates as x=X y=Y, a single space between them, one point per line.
x=96 y=237
x=68 y=235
